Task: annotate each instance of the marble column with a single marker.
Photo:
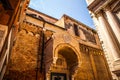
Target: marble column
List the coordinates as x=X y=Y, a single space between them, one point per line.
x=115 y=25
x=108 y=37
x=102 y=38
x=98 y=28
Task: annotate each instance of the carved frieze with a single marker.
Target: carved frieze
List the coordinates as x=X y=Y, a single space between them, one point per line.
x=87 y=49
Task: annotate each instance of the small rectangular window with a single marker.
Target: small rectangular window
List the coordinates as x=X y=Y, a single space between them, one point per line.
x=76 y=30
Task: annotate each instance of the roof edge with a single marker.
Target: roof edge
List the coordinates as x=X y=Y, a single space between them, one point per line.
x=42 y=13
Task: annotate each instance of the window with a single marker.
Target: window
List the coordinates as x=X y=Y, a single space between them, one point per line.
x=89 y=36
x=76 y=30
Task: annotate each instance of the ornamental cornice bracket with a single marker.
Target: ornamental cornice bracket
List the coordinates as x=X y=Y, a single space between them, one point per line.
x=100 y=13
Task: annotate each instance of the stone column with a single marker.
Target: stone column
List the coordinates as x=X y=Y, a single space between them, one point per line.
x=98 y=28
x=115 y=25
x=102 y=38
x=108 y=37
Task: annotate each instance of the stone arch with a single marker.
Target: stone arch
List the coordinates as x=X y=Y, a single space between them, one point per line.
x=71 y=55
x=63 y=45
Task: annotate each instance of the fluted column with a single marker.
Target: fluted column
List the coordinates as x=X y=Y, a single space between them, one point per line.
x=108 y=37
x=115 y=25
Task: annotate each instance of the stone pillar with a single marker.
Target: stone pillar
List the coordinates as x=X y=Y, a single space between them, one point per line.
x=108 y=37
x=115 y=25
x=98 y=28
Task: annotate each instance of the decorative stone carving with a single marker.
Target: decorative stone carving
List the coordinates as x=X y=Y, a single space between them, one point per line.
x=87 y=49
x=30 y=33
x=37 y=35
x=67 y=38
x=54 y=60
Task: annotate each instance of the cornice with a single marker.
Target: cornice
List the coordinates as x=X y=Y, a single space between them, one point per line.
x=115 y=6
x=100 y=13
x=29 y=8
x=98 y=5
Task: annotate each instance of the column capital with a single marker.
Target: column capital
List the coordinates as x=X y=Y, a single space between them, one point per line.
x=93 y=15
x=107 y=8
x=100 y=13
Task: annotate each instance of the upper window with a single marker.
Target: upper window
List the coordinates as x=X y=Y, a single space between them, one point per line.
x=76 y=30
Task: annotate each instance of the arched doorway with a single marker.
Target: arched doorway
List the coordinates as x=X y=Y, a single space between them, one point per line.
x=65 y=63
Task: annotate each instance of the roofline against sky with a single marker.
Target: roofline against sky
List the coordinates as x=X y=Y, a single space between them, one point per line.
x=46 y=22
x=43 y=13
x=64 y=15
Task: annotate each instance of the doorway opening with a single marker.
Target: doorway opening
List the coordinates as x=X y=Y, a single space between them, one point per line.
x=66 y=64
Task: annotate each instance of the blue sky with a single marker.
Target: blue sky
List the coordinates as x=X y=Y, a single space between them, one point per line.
x=76 y=9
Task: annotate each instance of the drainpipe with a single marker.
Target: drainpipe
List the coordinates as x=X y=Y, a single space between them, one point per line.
x=42 y=52
x=42 y=66
x=40 y=56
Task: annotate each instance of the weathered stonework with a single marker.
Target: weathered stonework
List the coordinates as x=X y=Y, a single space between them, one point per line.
x=66 y=54
x=44 y=48
x=23 y=60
